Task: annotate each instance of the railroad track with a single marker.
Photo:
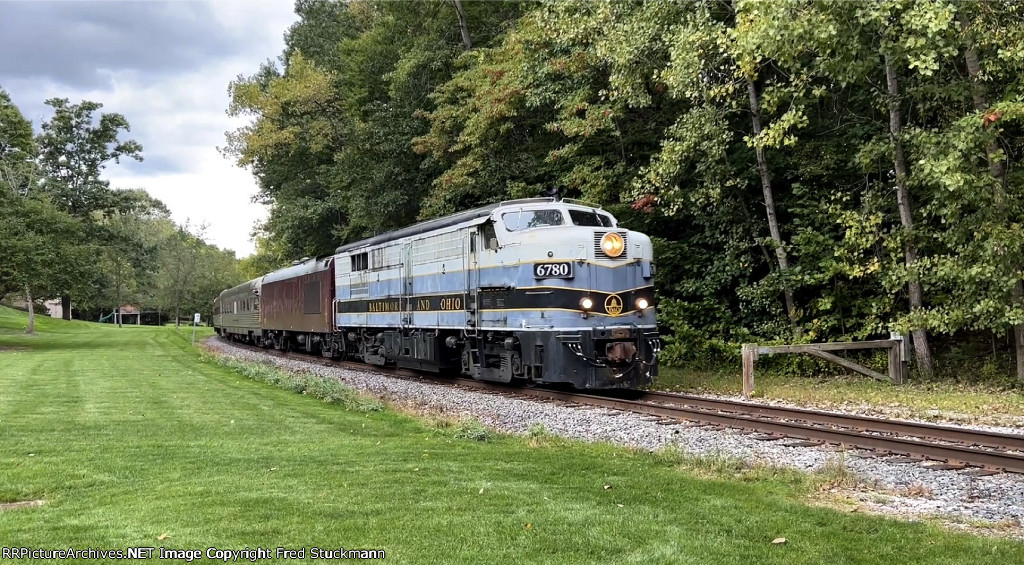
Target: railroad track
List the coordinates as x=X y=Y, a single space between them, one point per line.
x=955 y=448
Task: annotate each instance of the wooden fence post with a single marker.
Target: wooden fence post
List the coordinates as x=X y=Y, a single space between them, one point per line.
x=749 y=356
x=903 y=349
x=895 y=361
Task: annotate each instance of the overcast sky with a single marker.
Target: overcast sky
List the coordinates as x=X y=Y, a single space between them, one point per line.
x=166 y=66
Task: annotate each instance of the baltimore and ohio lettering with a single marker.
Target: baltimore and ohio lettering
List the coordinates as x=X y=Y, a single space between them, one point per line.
x=431 y=303
x=251 y=554
x=385 y=306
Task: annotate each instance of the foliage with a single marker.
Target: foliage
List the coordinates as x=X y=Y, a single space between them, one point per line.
x=330 y=141
x=473 y=430
x=379 y=116
x=190 y=272
x=75 y=147
x=41 y=244
x=327 y=389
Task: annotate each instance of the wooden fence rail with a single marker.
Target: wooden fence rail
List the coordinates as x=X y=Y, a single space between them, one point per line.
x=896 y=345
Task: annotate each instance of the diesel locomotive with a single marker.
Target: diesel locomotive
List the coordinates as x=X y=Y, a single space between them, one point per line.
x=537 y=290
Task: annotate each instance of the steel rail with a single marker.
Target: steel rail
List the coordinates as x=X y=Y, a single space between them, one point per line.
x=749 y=415
x=953 y=454
x=901 y=427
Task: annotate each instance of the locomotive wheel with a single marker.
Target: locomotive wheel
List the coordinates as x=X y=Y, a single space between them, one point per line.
x=341 y=352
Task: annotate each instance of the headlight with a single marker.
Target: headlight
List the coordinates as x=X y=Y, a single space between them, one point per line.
x=612 y=244
x=642 y=304
x=586 y=303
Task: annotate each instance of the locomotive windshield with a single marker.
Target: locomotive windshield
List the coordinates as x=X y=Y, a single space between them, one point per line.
x=590 y=218
x=526 y=219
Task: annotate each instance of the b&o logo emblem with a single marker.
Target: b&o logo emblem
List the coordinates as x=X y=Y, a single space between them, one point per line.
x=613 y=305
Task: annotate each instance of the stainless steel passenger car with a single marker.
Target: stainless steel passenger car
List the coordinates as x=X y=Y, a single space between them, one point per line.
x=236 y=312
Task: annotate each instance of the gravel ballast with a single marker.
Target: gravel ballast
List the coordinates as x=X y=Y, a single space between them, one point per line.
x=909 y=490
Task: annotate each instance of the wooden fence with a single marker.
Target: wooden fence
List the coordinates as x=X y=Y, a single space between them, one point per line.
x=897 y=346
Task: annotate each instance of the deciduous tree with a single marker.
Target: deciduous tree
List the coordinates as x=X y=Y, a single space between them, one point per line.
x=75 y=146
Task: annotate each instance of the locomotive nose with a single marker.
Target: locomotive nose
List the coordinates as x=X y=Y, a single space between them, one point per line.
x=620 y=351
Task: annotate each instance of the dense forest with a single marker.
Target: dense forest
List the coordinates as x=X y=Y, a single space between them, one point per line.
x=811 y=170
x=66 y=234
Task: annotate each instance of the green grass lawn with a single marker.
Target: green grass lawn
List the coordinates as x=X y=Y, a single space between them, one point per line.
x=133 y=438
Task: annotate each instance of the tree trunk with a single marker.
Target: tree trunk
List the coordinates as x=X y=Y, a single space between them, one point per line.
x=997 y=167
x=769 y=204
x=467 y=42
x=65 y=307
x=31 y=329
x=921 y=349
x=1018 y=331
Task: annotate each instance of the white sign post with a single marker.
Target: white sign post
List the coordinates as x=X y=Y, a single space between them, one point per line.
x=195 y=320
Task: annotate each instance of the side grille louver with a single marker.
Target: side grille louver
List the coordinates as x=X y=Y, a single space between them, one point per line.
x=600 y=254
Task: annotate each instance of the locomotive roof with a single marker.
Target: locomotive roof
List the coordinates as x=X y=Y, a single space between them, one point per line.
x=448 y=221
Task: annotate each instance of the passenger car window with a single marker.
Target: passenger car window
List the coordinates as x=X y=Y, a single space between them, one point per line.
x=526 y=219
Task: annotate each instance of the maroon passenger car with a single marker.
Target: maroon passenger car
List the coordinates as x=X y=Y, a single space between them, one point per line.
x=296 y=306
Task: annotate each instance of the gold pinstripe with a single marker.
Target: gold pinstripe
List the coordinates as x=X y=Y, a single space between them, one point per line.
x=584 y=289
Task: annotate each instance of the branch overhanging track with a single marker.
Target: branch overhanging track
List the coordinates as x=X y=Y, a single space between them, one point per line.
x=958 y=447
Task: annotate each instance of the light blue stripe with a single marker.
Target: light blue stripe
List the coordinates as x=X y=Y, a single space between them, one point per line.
x=588 y=276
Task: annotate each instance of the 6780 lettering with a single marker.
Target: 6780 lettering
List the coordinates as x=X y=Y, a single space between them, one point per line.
x=559 y=270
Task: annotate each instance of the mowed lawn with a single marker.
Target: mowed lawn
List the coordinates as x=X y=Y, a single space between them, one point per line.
x=133 y=439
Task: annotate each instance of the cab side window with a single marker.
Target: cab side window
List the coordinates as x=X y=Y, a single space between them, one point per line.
x=489 y=236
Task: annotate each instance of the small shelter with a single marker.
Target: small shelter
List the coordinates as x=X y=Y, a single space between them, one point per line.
x=55 y=308
x=127 y=314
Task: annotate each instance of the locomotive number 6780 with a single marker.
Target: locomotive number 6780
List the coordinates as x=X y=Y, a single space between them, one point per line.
x=559 y=270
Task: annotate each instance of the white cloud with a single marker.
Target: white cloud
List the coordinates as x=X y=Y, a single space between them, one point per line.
x=178 y=115
x=214 y=193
